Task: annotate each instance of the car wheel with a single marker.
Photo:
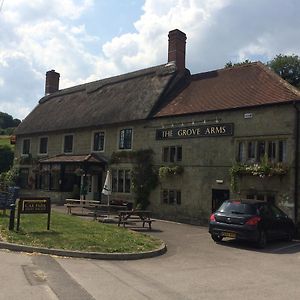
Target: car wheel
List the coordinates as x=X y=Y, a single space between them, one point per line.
x=262 y=240
x=289 y=235
x=216 y=238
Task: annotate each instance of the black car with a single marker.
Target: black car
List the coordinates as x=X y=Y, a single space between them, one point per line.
x=252 y=220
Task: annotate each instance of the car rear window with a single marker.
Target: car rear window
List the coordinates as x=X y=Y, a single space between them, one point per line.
x=238 y=208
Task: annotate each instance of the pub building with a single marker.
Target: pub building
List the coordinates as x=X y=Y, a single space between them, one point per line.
x=227 y=133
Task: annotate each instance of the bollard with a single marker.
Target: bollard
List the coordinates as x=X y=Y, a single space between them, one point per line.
x=12 y=217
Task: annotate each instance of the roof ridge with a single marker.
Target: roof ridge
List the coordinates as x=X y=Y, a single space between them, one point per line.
x=225 y=69
x=90 y=87
x=168 y=69
x=283 y=82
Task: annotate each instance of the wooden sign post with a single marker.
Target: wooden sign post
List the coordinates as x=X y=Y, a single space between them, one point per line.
x=34 y=205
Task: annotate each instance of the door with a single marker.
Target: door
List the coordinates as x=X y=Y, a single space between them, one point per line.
x=218 y=197
x=94 y=187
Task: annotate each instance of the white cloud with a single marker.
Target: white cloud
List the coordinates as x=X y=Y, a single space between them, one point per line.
x=37 y=36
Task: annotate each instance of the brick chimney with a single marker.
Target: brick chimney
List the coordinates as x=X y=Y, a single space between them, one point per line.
x=52 y=82
x=176 y=52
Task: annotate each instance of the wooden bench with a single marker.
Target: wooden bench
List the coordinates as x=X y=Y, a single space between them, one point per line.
x=148 y=221
x=135 y=216
x=76 y=203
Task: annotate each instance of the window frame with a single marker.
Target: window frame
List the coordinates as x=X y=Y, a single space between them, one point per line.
x=93 y=140
x=131 y=139
x=167 y=156
x=64 y=140
x=39 y=145
x=118 y=182
x=166 y=197
x=250 y=150
x=29 y=147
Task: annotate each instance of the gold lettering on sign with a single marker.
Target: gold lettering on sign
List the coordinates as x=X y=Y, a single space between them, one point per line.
x=215 y=130
x=167 y=133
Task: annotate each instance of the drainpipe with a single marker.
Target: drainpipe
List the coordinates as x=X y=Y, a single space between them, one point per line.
x=296 y=162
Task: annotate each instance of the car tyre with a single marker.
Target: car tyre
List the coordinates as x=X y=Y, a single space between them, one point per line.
x=262 y=240
x=217 y=238
x=289 y=235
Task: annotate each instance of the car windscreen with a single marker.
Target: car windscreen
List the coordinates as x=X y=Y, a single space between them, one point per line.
x=237 y=207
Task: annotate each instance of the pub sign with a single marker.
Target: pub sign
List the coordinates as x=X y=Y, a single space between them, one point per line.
x=214 y=130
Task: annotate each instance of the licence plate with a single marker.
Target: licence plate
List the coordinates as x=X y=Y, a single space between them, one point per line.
x=229 y=234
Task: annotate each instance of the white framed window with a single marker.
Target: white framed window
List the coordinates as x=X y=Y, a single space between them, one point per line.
x=251 y=151
x=125 y=138
x=68 y=143
x=121 y=180
x=26 y=146
x=43 y=145
x=98 y=141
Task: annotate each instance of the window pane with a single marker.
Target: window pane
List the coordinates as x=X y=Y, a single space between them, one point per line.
x=166 y=154
x=68 y=144
x=261 y=147
x=282 y=151
x=165 y=196
x=172 y=153
x=260 y=197
x=171 y=197
x=120 y=181
x=125 y=138
x=179 y=153
x=240 y=157
x=43 y=145
x=272 y=151
x=178 y=197
x=114 y=180
x=127 y=181
x=26 y=146
x=98 y=141
x=251 y=150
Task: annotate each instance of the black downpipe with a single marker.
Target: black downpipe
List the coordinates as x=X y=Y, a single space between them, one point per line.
x=296 y=163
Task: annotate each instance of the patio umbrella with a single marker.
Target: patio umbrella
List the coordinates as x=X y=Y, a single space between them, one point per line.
x=107 y=186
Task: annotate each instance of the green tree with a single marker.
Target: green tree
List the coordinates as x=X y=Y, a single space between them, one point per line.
x=287 y=67
x=6 y=158
x=7 y=121
x=230 y=64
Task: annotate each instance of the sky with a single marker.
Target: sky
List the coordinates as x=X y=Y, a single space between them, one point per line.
x=87 y=40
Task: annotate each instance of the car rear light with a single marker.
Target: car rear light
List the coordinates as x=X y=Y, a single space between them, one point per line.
x=253 y=220
x=212 y=218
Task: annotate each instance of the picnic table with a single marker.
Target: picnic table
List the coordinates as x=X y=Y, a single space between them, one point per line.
x=95 y=208
x=78 y=203
x=135 y=216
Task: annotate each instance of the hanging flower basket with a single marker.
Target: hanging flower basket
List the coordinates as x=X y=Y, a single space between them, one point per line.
x=79 y=172
x=262 y=170
x=168 y=171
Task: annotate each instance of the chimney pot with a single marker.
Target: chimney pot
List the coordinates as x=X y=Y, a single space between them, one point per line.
x=52 y=82
x=176 y=51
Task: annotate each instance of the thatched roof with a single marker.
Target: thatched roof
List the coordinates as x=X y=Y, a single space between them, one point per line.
x=118 y=99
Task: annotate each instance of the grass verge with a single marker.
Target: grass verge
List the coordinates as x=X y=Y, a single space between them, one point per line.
x=73 y=233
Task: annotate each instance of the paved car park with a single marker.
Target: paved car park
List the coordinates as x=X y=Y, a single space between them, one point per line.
x=193 y=268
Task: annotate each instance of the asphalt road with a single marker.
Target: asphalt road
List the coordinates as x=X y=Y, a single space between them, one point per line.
x=193 y=268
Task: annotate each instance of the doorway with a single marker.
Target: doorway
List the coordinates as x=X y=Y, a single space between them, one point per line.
x=218 y=197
